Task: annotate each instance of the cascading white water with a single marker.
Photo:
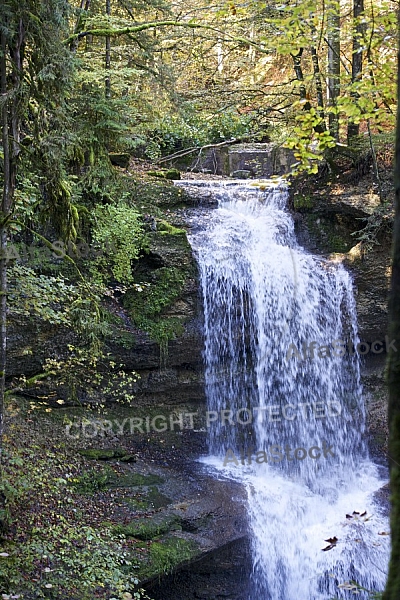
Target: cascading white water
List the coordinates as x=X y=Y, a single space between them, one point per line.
x=284 y=387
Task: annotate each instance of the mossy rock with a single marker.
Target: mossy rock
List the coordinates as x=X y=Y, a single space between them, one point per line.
x=157 y=499
x=136 y=504
x=104 y=454
x=159 y=195
x=303 y=202
x=92 y=481
x=166 y=228
x=148 y=529
x=128 y=458
x=327 y=234
x=152 y=500
x=160 y=174
x=135 y=479
x=171 y=174
x=146 y=308
x=166 y=555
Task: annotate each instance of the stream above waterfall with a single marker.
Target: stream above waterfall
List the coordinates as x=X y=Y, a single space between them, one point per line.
x=285 y=400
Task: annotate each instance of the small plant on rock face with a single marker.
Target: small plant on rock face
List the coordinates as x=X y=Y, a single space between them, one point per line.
x=97 y=374
x=379 y=223
x=117 y=229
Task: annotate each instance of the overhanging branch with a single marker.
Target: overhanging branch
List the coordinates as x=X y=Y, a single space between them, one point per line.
x=112 y=32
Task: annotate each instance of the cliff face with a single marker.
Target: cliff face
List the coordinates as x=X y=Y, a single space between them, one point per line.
x=154 y=326
x=327 y=222
x=159 y=330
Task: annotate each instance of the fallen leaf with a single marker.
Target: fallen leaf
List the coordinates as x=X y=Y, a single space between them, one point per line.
x=332 y=540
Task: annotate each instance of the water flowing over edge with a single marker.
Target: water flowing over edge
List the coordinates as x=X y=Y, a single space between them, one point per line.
x=283 y=383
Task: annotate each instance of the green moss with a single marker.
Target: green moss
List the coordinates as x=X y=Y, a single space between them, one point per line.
x=156 y=174
x=167 y=285
x=166 y=228
x=302 y=201
x=134 y=479
x=167 y=174
x=156 y=499
x=153 y=499
x=148 y=529
x=103 y=454
x=136 y=504
x=325 y=234
x=92 y=481
x=166 y=555
x=126 y=339
x=147 y=306
x=159 y=194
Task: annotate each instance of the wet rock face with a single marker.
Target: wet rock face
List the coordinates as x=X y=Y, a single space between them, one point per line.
x=156 y=324
x=328 y=224
x=161 y=335
x=224 y=573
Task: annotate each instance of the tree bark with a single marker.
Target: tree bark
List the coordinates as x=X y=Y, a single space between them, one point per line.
x=108 y=55
x=5 y=202
x=357 y=60
x=300 y=77
x=392 y=591
x=318 y=84
x=333 y=35
x=84 y=8
x=320 y=128
x=10 y=140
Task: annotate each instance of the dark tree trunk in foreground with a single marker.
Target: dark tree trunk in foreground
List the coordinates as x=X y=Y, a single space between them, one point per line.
x=5 y=201
x=393 y=378
x=108 y=54
x=10 y=81
x=318 y=85
x=357 y=60
x=333 y=33
x=320 y=128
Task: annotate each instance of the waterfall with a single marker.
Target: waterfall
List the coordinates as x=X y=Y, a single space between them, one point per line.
x=284 y=394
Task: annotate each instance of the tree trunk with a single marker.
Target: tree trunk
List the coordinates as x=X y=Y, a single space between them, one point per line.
x=5 y=203
x=333 y=36
x=302 y=88
x=392 y=591
x=108 y=55
x=357 y=60
x=318 y=85
x=300 y=77
x=10 y=140
x=84 y=8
